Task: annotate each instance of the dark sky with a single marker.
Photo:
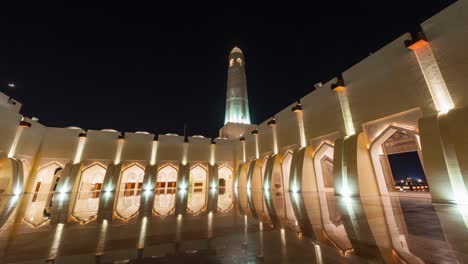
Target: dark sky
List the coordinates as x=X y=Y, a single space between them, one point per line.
x=406 y=165
x=154 y=67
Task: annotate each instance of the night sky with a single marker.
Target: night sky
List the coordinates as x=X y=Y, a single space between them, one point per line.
x=154 y=67
x=406 y=165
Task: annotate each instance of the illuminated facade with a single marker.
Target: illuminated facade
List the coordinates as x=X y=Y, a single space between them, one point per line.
x=410 y=96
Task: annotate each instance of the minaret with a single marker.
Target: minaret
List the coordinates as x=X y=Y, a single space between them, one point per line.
x=237 y=104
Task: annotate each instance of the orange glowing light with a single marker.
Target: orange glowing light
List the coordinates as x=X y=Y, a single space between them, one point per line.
x=418 y=44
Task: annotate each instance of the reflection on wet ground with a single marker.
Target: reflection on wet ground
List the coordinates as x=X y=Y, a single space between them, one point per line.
x=252 y=226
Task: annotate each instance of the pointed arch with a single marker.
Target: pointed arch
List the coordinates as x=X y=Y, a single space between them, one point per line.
x=131 y=183
x=197 y=198
x=379 y=156
x=166 y=183
x=87 y=201
x=323 y=158
x=225 y=197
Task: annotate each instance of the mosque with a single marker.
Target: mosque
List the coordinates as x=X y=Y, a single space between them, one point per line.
x=410 y=96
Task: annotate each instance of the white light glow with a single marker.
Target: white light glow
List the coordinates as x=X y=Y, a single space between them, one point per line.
x=434 y=79
x=14 y=144
x=79 y=150
x=154 y=151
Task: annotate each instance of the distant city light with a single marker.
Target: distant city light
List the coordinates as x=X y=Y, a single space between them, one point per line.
x=11 y=85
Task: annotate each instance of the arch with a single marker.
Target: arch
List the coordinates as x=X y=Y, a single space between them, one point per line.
x=166 y=183
x=231 y=62
x=225 y=198
x=379 y=155
x=87 y=200
x=286 y=169
x=239 y=61
x=131 y=183
x=322 y=170
x=197 y=194
x=45 y=177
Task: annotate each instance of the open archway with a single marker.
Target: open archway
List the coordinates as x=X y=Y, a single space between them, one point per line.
x=397 y=160
x=323 y=163
x=128 y=200
x=197 y=196
x=166 y=184
x=89 y=190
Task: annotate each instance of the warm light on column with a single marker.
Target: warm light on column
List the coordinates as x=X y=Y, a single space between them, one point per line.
x=102 y=238
x=184 y=153
x=246 y=226
x=14 y=144
x=80 y=148
x=346 y=112
x=244 y=156
x=53 y=252
x=178 y=227
x=118 y=152
x=257 y=148
x=212 y=153
x=272 y=124
x=154 y=151
x=210 y=224
x=300 y=123
x=142 y=236
x=283 y=243
x=434 y=79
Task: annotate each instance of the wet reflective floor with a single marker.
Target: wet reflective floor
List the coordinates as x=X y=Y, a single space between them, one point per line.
x=259 y=227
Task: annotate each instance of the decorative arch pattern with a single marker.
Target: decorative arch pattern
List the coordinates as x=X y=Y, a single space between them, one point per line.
x=197 y=197
x=225 y=199
x=166 y=183
x=323 y=163
x=89 y=190
x=128 y=201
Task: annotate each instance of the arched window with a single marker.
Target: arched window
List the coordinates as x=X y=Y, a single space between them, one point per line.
x=38 y=209
x=197 y=196
x=239 y=61
x=128 y=201
x=225 y=191
x=231 y=62
x=87 y=201
x=166 y=183
x=166 y=180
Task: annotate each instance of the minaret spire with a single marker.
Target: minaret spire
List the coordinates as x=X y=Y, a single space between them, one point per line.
x=237 y=105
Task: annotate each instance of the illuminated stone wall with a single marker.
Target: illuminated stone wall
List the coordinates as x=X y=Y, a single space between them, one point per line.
x=396 y=86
